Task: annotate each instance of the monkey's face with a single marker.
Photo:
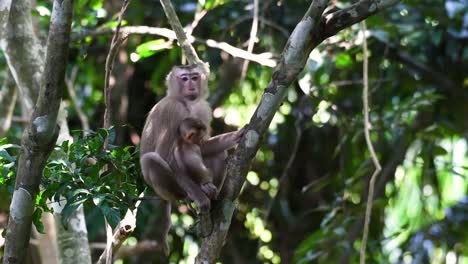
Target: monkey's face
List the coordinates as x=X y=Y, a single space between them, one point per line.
x=189 y=85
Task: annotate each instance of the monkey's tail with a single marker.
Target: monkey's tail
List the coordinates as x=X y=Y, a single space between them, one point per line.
x=167 y=226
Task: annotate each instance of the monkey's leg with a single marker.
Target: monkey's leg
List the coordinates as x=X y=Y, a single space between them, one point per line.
x=160 y=177
x=216 y=163
x=195 y=193
x=157 y=174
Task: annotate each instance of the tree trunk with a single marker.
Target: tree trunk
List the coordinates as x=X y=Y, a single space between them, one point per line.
x=40 y=135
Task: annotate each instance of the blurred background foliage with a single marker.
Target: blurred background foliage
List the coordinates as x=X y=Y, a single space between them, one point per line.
x=303 y=201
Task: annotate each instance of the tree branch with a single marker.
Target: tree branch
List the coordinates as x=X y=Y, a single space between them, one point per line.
x=262 y=59
x=69 y=81
x=40 y=135
x=140 y=248
x=110 y=60
x=295 y=54
x=341 y=19
x=23 y=52
x=375 y=161
x=8 y=96
x=306 y=36
x=252 y=38
x=184 y=43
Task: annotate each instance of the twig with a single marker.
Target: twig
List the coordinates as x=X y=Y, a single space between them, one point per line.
x=253 y=37
x=19 y=119
x=263 y=20
x=375 y=161
x=198 y=17
x=114 y=47
x=69 y=81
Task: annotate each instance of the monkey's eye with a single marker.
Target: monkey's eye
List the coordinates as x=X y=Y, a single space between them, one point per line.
x=194 y=78
x=185 y=78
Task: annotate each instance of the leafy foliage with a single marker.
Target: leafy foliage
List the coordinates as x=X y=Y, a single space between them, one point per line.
x=81 y=171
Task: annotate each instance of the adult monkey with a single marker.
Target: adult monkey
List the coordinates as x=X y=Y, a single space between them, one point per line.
x=187 y=90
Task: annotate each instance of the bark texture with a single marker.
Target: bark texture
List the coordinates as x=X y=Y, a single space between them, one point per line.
x=40 y=135
x=23 y=51
x=4 y=13
x=8 y=96
x=73 y=242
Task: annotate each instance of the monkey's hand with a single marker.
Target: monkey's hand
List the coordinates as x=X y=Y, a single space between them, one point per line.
x=209 y=189
x=237 y=135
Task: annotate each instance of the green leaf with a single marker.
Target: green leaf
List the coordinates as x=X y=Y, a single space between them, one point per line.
x=4 y=154
x=99 y=199
x=70 y=208
x=112 y=215
x=439 y=151
x=343 y=60
x=151 y=47
x=37 y=220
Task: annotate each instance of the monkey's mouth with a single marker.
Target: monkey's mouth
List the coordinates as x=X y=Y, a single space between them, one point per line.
x=191 y=97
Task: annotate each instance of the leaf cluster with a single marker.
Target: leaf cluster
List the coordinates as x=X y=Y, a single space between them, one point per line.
x=81 y=172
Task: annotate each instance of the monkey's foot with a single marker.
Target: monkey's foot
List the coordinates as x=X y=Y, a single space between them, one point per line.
x=210 y=190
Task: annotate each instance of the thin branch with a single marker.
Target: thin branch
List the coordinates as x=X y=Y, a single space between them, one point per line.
x=253 y=37
x=263 y=20
x=140 y=248
x=114 y=48
x=375 y=161
x=264 y=59
x=69 y=81
x=198 y=17
x=19 y=119
x=184 y=43
x=344 y=18
x=123 y=232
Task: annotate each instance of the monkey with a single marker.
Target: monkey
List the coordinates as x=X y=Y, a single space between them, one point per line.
x=188 y=156
x=187 y=91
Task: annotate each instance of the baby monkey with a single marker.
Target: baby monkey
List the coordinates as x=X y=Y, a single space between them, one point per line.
x=188 y=156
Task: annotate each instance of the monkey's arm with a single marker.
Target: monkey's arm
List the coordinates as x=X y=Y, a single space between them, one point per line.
x=221 y=142
x=194 y=163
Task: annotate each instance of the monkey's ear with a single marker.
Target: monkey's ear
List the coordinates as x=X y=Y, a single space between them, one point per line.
x=190 y=134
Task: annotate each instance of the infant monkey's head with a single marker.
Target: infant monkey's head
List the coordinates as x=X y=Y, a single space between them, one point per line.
x=192 y=130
